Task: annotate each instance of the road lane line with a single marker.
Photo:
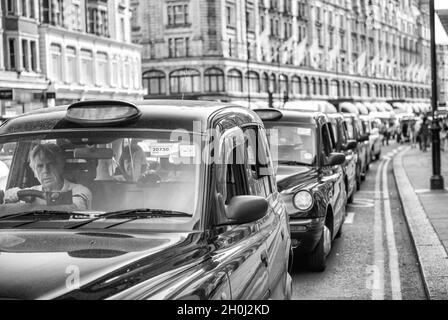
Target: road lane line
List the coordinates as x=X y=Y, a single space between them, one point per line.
x=378 y=253
x=391 y=245
x=349 y=218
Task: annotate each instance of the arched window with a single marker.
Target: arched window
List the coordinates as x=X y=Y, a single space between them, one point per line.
x=214 y=80
x=422 y=93
x=296 y=85
x=367 y=89
x=154 y=82
x=234 y=81
x=390 y=91
x=349 y=89
x=307 y=86
x=357 y=89
x=411 y=92
x=253 y=79
x=335 y=89
x=313 y=85
x=327 y=88
x=283 y=81
x=344 y=92
x=273 y=84
x=185 y=81
x=321 y=88
x=416 y=95
x=265 y=82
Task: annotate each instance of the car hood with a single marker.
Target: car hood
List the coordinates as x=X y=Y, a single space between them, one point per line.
x=294 y=176
x=50 y=264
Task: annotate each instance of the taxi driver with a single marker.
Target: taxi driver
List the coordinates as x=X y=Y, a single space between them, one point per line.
x=47 y=162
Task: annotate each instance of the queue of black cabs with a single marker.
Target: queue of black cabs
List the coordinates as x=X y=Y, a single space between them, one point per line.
x=149 y=200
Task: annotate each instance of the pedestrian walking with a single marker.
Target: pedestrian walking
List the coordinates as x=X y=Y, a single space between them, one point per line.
x=412 y=134
x=424 y=134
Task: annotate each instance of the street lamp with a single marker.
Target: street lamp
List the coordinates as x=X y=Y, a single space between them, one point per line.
x=436 y=180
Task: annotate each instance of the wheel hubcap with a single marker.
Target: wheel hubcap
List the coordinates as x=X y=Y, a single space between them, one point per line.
x=327 y=240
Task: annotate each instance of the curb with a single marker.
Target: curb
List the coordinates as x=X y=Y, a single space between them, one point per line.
x=431 y=253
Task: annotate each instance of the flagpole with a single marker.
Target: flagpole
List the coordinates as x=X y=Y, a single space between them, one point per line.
x=436 y=180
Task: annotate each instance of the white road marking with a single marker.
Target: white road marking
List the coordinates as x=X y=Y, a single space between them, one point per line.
x=378 y=254
x=361 y=203
x=349 y=218
x=391 y=246
x=385 y=157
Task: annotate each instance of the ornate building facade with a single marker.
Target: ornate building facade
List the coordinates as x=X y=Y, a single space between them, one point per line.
x=60 y=51
x=322 y=49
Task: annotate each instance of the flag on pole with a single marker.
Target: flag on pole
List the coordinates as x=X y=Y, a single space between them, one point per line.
x=301 y=51
x=361 y=63
x=314 y=51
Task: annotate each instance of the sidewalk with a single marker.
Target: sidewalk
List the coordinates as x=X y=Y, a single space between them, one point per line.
x=426 y=213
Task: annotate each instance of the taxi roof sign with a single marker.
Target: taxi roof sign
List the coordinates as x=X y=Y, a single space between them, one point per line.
x=102 y=112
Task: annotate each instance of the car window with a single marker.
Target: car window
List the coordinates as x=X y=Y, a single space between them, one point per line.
x=293 y=142
x=327 y=145
x=110 y=171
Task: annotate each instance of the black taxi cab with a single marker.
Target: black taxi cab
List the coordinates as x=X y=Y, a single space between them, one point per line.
x=146 y=200
x=310 y=178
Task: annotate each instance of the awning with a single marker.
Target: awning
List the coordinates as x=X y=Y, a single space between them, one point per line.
x=361 y=108
x=348 y=107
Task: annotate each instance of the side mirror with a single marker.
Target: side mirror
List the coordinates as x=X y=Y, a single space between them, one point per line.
x=244 y=209
x=335 y=159
x=350 y=145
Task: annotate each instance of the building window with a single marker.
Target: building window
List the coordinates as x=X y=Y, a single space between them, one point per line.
x=72 y=72
x=24 y=7
x=97 y=19
x=76 y=17
x=56 y=63
x=33 y=56
x=86 y=67
x=283 y=81
x=114 y=72
x=31 y=9
x=296 y=85
x=10 y=6
x=185 y=81
x=12 y=54
x=230 y=15
x=46 y=11
x=265 y=83
x=25 y=65
x=154 y=82
x=177 y=15
x=214 y=80
x=234 y=81
x=101 y=72
x=179 y=47
x=253 y=80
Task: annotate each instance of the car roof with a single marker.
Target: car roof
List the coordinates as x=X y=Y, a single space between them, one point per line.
x=155 y=114
x=307 y=117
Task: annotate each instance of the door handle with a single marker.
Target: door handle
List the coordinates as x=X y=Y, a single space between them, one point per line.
x=264 y=258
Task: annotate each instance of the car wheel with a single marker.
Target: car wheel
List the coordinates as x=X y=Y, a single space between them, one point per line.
x=350 y=199
x=358 y=181
x=317 y=259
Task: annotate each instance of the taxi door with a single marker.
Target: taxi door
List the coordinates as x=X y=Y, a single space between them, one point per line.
x=241 y=248
x=261 y=182
x=333 y=175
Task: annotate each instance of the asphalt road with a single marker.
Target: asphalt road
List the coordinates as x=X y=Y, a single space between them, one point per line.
x=374 y=258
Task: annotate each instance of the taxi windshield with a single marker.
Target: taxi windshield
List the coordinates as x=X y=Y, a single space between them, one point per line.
x=294 y=144
x=104 y=172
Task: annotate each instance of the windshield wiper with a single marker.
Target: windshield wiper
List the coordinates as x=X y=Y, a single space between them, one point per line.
x=46 y=213
x=293 y=163
x=143 y=213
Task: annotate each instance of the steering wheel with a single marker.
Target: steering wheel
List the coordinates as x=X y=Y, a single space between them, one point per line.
x=28 y=195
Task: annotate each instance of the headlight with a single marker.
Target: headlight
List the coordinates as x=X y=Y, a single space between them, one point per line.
x=303 y=200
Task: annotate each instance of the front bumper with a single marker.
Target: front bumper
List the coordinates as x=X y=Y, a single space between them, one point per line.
x=306 y=233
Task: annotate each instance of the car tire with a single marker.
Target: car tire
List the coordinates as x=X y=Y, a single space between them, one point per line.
x=316 y=260
x=350 y=198
x=339 y=234
x=377 y=157
x=358 y=181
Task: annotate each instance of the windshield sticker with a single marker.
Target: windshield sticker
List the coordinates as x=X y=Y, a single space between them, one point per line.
x=304 y=131
x=164 y=149
x=307 y=156
x=187 y=150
